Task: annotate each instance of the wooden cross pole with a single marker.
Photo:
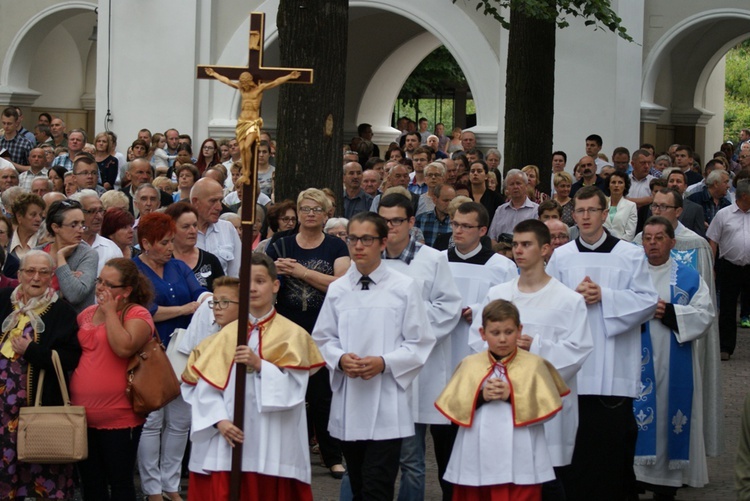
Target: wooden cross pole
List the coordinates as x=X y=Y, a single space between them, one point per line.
x=252 y=80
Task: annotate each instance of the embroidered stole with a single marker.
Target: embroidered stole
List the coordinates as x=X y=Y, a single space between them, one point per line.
x=683 y=285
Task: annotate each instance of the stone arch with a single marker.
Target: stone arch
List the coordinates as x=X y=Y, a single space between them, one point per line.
x=373 y=88
x=15 y=71
x=697 y=43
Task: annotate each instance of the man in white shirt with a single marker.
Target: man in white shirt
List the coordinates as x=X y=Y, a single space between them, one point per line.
x=554 y=327
x=640 y=192
x=375 y=336
x=215 y=236
x=613 y=279
x=429 y=269
x=93 y=215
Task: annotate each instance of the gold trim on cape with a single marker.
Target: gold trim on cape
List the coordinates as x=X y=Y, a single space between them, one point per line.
x=536 y=388
x=282 y=342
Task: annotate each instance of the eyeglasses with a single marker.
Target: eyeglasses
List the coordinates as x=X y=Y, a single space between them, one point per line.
x=463 y=226
x=86 y=173
x=315 y=210
x=396 y=221
x=221 y=304
x=661 y=207
x=367 y=240
x=75 y=225
x=108 y=285
x=100 y=210
x=287 y=219
x=560 y=236
x=592 y=211
x=31 y=272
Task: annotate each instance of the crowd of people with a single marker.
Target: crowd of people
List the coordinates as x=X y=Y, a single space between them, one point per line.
x=532 y=333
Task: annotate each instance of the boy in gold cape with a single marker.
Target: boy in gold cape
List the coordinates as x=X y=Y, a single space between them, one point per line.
x=500 y=398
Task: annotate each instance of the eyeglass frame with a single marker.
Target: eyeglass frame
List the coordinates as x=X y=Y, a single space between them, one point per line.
x=212 y=304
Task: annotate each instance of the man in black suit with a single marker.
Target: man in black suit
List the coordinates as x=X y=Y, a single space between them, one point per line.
x=692 y=213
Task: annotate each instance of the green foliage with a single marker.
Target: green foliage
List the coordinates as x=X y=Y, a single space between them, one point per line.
x=737 y=91
x=597 y=13
x=437 y=75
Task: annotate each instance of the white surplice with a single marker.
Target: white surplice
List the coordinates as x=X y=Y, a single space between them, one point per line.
x=275 y=425
x=693 y=320
x=555 y=317
x=628 y=299
x=388 y=320
x=492 y=451
x=473 y=282
x=431 y=272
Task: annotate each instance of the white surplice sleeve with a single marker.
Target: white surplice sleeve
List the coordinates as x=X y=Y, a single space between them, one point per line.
x=279 y=389
x=695 y=318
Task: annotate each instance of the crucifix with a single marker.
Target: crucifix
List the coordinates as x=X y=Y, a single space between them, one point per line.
x=252 y=81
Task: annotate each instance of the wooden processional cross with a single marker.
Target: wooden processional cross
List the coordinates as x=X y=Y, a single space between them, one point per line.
x=248 y=130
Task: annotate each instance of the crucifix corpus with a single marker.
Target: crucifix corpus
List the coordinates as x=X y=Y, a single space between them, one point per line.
x=251 y=82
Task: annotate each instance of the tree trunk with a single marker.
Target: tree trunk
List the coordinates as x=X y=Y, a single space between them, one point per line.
x=530 y=95
x=312 y=34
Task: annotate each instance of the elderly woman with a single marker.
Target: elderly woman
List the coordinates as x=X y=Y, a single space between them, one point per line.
x=206 y=266
x=76 y=262
x=115 y=198
x=563 y=181
x=28 y=214
x=493 y=158
x=308 y=262
x=110 y=333
x=336 y=226
x=623 y=214
x=177 y=295
x=187 y=174
x=117 y=225
x=434 y=174
x=71 y=185
x=35 y=322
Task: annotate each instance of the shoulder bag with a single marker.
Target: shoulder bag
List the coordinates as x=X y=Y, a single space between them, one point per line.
x=53 y=434
x=152 y=382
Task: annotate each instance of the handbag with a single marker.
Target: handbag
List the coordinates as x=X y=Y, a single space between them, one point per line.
x=152 y=383
x=54 y=434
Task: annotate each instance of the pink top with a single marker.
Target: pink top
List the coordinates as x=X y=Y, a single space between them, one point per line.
x=99 y=381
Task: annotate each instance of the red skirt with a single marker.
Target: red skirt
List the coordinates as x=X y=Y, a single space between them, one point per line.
x=215 y=487
x=501 y=492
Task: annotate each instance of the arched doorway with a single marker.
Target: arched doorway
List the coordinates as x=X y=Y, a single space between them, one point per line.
x=50 y=64
x=683 y=77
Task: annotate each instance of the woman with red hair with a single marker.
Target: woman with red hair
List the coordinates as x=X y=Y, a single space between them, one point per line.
x=208 y=155
x=117 y=225
x=177 y=295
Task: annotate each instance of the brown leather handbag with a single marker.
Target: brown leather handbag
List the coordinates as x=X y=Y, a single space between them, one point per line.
x=54 y=434
x=152 y=382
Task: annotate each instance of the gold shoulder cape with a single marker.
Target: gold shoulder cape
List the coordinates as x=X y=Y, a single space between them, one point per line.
x=536 y=388
x=282 y=342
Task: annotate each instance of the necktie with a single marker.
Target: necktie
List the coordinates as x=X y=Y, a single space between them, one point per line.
x=365 y=281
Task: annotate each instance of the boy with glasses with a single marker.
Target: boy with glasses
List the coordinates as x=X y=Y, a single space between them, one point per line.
x=375 y=336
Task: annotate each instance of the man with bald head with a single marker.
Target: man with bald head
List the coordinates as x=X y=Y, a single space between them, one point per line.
x=397 y=176
x=371 y=182
x=214 y=235
x=40 y=186
x=589 y=177
x=559 y=233
x=355 y=198
x=37 y=168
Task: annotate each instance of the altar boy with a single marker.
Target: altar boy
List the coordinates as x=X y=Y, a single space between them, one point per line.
x=375 y=337
x=279 y=358
x=500 y=397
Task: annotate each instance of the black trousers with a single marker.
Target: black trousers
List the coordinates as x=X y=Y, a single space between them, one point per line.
x=602 y=467
x=319 y=409
x=109 y=467
x=373 y=468
x=732 y=280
